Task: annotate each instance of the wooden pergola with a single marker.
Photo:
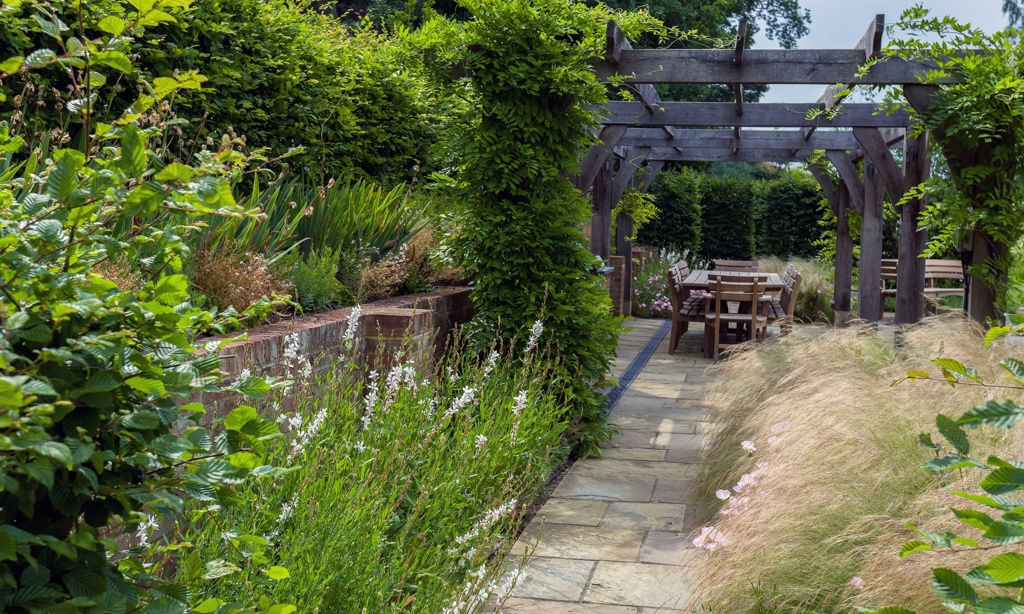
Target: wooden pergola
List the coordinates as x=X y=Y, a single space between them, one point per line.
x=638 y=137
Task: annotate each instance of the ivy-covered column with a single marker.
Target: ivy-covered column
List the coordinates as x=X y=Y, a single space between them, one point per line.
x=532 y=98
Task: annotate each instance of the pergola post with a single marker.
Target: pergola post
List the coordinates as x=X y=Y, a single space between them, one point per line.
x=601 y=222
x=870 y=272
x=843 y=288
x=624 y=229
x=910 y=268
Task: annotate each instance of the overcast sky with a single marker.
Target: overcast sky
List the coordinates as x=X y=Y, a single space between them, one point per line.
x=839 y=24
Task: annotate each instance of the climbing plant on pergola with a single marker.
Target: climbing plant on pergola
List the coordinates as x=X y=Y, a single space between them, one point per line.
x=642 y=135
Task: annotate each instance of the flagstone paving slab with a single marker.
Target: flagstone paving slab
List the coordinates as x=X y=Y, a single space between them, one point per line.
x=644 y=516
x=640 y=584
x=558 y=579
x=573 y=511
x=566 y=541
x=615 y=536
x=603 y=488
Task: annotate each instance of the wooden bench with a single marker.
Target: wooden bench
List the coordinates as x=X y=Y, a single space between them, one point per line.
x=933 y=269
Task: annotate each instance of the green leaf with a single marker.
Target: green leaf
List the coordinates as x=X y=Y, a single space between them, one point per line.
x=1003 y=480
x=1015 y=368
x=239 y=417
x=12 y=64
x=925 y=439
x=1005 y=568
x=281 y=608
x=210 y=605
x=142 y=420
x=914 y=546
x=175 y=171
x=40 y=57
x=219 y=569
x=1000 y=414
x=974 y=518
x=953 y=434
x=999 y=503
x=889 y=609
x=947 y=463
x=1004 y=533
x=996 y=332
x=950 y=585
x=7 y=547
x=57 y=451
x=114 y=59
x=48 y=26
x=277 y=573
x=112 y=24
x=954 y=370
x=999 y=605
x=155 y=18
x=133 y=150
x=917 y=373
x=146 y=385
x=64 y=177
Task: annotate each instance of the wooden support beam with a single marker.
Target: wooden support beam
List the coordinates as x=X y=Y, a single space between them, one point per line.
x=598 y=155
x=627 y=170
x=737 y=61
x=912 y=240
x=843 y=285
x=828 y=187
x=716 y=138
x=877 y=150
x=851 y=178
x=870 y=271
x=760 y=66
x=871 y=46
x=601 y=222
x=615 y=42
x=729 y=154
x=650 y=172
x=764 y=115
x=624 y=248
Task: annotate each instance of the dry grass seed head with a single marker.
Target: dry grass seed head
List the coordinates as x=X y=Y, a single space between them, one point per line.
x=844 y=474
x=235 y=280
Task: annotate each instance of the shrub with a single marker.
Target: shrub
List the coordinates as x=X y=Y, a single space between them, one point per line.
x=727 y=218
x=313 y=279
x=382 y=278
x=677 y=195
x=94 y=442
x=820 y=410
x=233 y=280
x=404 y=491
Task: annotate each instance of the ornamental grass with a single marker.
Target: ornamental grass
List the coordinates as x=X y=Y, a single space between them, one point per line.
x=405 y=488
x=814 y=468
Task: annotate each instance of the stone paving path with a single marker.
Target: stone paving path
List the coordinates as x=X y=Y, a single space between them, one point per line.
x=615 y=536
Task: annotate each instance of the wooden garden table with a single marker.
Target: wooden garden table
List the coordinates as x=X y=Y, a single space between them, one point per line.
x=698 y=280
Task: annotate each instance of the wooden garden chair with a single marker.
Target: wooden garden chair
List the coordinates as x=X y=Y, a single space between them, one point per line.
x=685 y=308
x=782 y=308
x=745 y=266
x=717 y=316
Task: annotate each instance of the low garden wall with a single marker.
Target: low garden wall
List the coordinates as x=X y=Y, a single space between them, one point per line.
x=417 y=325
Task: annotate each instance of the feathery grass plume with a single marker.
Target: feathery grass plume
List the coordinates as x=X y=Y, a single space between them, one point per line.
x=842 y=471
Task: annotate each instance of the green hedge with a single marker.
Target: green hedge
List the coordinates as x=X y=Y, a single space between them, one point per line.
x=728 y=211
x=677 y=195
x=788 y=216
x=279 y=74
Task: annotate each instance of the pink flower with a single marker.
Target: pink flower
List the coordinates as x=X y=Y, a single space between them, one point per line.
x=772 y=440
x=781 y=426
x=748 y=446
x=722 y=494
x=746 y=481
x=858 y=583
x=710 y=539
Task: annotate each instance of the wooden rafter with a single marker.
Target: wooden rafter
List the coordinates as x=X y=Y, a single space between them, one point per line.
x=764 y=139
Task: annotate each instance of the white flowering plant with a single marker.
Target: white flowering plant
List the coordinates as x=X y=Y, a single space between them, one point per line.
x=403 y=484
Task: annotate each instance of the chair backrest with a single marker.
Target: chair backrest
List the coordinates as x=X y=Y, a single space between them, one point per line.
x=889 y=269
x=790 y=275
x=789 y=295
x=943 y=269
x=749 y=266
x=724 y=289
x=676 y=274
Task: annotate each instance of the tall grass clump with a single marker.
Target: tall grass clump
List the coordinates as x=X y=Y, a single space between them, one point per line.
x=402 y=486
x=814 y=299
x=814 y=468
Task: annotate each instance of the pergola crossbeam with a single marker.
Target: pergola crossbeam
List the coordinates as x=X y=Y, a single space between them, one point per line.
x=711 y=137
x=761 y=115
